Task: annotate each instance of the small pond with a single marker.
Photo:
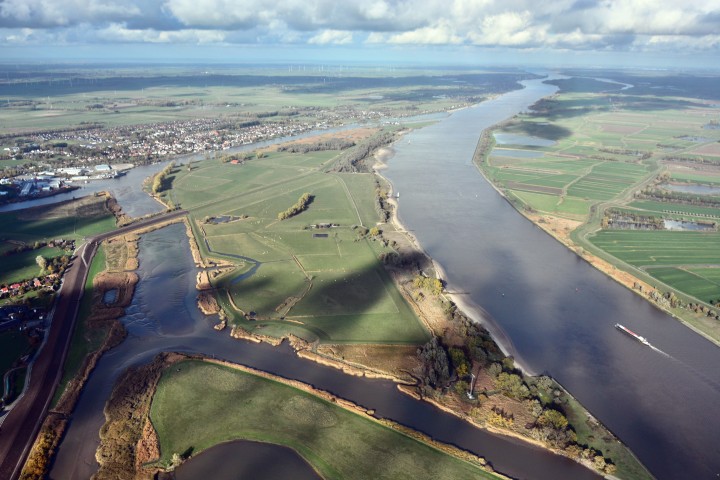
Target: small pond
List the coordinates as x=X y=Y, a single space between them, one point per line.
x=692 y=189
x=110 y=296
x=687 y=226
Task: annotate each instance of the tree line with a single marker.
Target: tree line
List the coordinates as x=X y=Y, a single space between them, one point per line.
x=300 y=206
x=160 y=179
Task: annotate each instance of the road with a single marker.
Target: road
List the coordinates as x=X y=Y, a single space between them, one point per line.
x=20 y=428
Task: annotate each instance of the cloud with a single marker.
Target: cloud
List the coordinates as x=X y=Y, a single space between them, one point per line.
x=336 y=37
x=53 y=13
x=520 y=24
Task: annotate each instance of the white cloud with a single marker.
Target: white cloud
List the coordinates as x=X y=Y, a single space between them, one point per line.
x=49 y=13
x=525 y=24
x=335 y=37
x=439 y=34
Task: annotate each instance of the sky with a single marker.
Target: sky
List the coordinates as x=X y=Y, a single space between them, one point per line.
x=651 y=33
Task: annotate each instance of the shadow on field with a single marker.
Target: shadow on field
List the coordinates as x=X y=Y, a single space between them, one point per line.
x=561 y=109
x=50 y=228
x=331 y=307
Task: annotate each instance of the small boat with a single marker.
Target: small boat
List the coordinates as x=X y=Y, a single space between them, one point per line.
x=634 y=335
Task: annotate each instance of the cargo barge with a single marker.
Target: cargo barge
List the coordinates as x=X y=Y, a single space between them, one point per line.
x=634 y=335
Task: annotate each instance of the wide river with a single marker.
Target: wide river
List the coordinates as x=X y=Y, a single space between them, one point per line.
x=556 y=314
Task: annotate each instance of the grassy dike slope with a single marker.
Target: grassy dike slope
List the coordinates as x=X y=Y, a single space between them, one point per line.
x=198 y=405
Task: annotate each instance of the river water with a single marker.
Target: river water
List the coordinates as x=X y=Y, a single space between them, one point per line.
x=550 y=308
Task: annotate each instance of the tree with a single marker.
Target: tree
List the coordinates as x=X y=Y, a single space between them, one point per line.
x=459 y=362
x=553 y=418
x=41 y=261
x=512 y=385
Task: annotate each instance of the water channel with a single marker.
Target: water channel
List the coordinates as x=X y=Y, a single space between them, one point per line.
x=556 y=314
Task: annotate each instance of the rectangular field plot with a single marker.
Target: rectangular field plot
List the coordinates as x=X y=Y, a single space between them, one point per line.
x=573 y=206
x=670 y=209
x=661 y=248
x=538 y=201
x=362 y=191
x=247 y=245
x=702 y=283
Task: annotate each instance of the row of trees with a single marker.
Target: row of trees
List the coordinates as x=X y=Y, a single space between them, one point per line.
x=353 y=160
x=160 y=179
x=322 y=145
x=300 y=206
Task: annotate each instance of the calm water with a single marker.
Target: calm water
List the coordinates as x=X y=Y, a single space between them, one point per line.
x=693 y=189
x=163 y=317
x=554 y=311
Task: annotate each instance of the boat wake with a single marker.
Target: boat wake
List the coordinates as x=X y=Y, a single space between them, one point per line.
x=660 y=351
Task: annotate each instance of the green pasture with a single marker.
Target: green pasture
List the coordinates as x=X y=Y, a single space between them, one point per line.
x=14 y=227
x=22 y=266
x=701 y=283
x=198 y=405
x=660 y=248
x=324 y=283
x=694 y=177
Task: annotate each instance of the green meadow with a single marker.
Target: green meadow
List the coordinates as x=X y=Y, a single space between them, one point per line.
x=316 y=283
x=198 y=405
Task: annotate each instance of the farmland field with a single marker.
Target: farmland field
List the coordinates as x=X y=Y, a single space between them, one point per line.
x=198 y=405
x=317 y=283
x=663 y=253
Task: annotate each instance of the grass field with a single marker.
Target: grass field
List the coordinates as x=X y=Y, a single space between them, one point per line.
x=324 y=283
x=69 y=220
x=198 y=405
x=22 y=266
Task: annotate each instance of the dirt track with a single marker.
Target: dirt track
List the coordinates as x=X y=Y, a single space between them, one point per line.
x=22 y=423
